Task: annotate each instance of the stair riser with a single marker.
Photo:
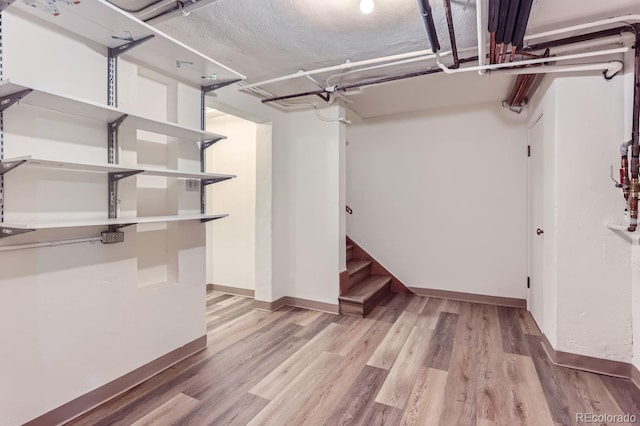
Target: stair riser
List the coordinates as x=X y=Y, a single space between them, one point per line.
x=349 y=254
x=361 y=310
x=359 y=276
x=351 y=309
x=376 y=299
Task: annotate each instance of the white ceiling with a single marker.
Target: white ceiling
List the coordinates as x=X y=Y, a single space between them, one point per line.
x=264 y=39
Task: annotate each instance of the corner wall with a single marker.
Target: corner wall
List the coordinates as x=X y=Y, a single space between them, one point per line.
x=231 y=243
x=587 y=266
x=440 y=198
x=298 y=234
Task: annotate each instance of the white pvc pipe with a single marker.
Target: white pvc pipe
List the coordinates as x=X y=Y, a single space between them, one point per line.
x=482 y=41
x=533 y=61
x=344 y=66
x=588 y=25
x=611 y=67
x=625 y=18
x=395 y=63
x=50 y=244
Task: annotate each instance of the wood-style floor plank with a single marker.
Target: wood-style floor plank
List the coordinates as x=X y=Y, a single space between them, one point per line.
x=426 y=401
x=291 y=399
x=397 y=388
x=439 y=352
x=331 y=390
x=413 y=361
x=626 y=394
x=528 y=404
x=269 y=387
x=170 y=412
x=512 y=337
x=385 y=355
x=361 y=397
x=527 y=323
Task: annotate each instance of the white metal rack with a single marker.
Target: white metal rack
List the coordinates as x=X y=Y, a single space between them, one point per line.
x=121 y=34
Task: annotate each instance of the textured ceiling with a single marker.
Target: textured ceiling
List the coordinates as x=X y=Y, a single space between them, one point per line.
x=264 y=39
x=269 y=38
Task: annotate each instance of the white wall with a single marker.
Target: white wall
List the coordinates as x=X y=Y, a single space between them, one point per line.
x=587 y=267
x=301 y=224
x=74 y=317
x=439 y=198
x=231 y=243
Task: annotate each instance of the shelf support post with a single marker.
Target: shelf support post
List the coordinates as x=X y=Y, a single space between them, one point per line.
x=114 y=178
x=206 y=144
x=112 y=67
x=203 y=98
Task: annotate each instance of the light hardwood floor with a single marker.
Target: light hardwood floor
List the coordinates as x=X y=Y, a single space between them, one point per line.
x=413 y=361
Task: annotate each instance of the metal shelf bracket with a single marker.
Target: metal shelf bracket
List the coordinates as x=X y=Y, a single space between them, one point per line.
x=209 y=219
x=7 y=166
x=206 y=182
x=114 y=178
x=10 y=232
x=114 y=52
x=13 y=98
x=113 y=139
x=5 y=4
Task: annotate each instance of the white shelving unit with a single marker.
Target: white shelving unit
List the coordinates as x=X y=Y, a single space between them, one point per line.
x=100 y=21
x=120 y=34
x=94 y=111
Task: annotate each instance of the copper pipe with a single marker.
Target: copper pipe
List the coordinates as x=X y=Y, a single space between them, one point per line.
x=634 y=193
x=504 y=53
x=513 y=53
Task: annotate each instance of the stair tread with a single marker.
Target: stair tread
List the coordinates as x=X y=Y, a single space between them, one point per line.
x=357 y=265
x=366 y=289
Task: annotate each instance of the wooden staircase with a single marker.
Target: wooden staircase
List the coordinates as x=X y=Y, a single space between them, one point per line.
x=365 y=291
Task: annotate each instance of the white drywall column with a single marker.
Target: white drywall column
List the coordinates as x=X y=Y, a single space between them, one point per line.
x=298 y=246
x=439 y=198
x=594 y=295
x=231 y=244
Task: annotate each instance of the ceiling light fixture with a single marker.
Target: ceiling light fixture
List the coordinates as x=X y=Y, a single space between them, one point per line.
x=366 y=6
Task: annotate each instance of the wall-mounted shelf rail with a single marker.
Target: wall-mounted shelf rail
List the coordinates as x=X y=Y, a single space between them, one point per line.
x=10 y=229
x=109 y=26
x=92 y=110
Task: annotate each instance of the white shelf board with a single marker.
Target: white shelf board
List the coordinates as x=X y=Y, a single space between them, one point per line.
x=110 y=168
x=92 y=110
x=185 y=175
x=65 y=165
x=100 y=21
x=105 y=222
x=621 y=231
